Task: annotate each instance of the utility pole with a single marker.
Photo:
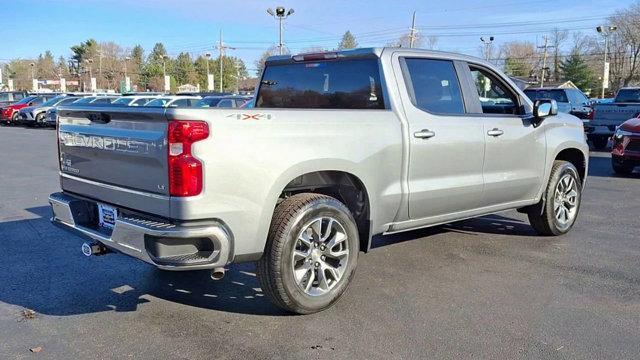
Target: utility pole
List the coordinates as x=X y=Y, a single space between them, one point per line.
x=412 y=34
x=281 y=13
x=222 y=47
x=487 y=46
x=544 y=59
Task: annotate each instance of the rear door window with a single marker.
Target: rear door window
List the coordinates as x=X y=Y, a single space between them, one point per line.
x=433 y=85
x=342 y=84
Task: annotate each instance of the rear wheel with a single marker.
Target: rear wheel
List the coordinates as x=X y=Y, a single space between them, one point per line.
x=557 y=214
x=14 y=118
x=40 y=120
x=311 y=253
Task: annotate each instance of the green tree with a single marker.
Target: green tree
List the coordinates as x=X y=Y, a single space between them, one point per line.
x=184 y=71
x=575 y=69
x=348 y=41
x=45 y=66
x=516 y=67
x=151 y=77
x=87 y=50
x=157 y=53
x=62 y=68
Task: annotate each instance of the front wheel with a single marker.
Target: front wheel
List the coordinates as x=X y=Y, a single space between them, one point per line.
x=558 y=213
x=620 y=168
x=311 y=253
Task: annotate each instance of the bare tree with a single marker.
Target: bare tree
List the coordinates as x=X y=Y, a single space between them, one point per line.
x=425 y=42
x=625 y=43
x=519 y=58
x=558 y=37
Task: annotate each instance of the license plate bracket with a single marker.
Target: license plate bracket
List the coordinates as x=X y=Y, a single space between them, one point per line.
x=107 y=216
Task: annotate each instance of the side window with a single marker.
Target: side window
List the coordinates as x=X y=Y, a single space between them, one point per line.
x=140 y=102
x=433 y=85
x=180 y=103
x=495 y=97
x=226 y=103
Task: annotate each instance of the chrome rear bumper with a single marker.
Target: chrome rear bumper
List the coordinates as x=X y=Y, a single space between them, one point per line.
x=184 y=246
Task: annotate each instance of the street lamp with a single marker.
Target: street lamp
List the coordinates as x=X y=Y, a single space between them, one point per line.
x=126 y=59
x=487 y=45
x=164 y=67
x=281 y=13
x=33 y=76
x=605 y=31
x=207 y=55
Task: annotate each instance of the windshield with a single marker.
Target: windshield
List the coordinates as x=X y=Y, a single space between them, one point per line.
x=53 y=101
x=85 y=100
x=158 y=102
x=122 y=101
x=4 y=97
x=343 y=84
x=26 y=100
x=628 y=95
x=208 y=102
x=557 y=95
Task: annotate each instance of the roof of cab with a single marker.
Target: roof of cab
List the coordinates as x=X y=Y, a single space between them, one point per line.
x=377 y=52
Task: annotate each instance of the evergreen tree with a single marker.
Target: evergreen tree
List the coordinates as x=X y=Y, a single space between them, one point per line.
x=576 y=70
x=348 y=41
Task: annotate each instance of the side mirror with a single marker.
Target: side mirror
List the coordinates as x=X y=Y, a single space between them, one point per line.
x=544 y=108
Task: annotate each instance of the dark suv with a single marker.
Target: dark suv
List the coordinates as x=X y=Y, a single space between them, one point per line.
x=570 y=101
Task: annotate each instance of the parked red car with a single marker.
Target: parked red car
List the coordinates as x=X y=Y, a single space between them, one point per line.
x=625 y=155
x=9 y=113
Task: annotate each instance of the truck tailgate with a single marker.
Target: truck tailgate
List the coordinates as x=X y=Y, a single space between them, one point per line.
x=117 y=147
x=614 y=114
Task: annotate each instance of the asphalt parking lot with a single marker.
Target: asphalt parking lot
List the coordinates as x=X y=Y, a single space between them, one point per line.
x=482 y=288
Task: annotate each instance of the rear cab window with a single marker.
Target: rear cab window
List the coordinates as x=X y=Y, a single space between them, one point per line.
x=326 y=84
x=433 y=85
x=628 y=95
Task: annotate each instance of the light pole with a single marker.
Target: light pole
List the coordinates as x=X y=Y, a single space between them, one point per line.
x=209 y=85
x=126 y=59
x=164 y=73
x=605 y=31
x=33 y=76
x=487 y=46
x=281 y=13
x=164 y=66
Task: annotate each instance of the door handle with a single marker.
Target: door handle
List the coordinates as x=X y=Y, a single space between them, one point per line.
x=495 y=132
x=424 y=134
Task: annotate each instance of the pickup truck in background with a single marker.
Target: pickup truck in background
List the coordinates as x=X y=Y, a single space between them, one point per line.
x=608 y=116
x=571 y=101
x=339 y=146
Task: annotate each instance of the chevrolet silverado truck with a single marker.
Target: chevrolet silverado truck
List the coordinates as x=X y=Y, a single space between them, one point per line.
x=340 y=146
x=608 y=116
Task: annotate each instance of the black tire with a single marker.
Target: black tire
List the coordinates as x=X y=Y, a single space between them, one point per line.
x=542 y=216
x=600 y=142
x=274 y=269
x=621 y=168
x=40 y=120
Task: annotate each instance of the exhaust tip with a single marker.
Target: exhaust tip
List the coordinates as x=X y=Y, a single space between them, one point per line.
x=217 y=273
x=91 y=249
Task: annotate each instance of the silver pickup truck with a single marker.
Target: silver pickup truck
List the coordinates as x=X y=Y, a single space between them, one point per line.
x=340 y=146
x=608 y=116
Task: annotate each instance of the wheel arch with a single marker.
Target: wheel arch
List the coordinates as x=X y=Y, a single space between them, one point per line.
x=336 y=178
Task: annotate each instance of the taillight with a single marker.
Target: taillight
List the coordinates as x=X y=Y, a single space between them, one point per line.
x=185 y=171
x=592 y=114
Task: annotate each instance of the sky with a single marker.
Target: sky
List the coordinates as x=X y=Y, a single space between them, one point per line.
x=30 y=27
